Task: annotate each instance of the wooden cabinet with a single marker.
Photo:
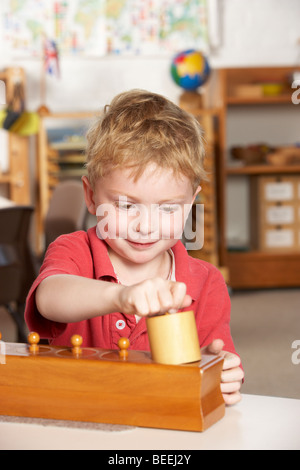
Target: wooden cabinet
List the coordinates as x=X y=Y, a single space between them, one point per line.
x=249 y=92
x=17 y=177
x=209 y=116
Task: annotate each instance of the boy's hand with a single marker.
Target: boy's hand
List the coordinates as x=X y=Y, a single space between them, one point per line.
x=152 y=297
x=232 y=375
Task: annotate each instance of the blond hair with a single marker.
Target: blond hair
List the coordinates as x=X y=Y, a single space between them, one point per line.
x=141 y=128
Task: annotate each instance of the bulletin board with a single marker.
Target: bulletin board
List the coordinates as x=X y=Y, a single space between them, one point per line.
x=104 y=27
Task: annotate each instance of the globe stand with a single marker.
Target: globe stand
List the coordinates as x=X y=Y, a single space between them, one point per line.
x=191 y=101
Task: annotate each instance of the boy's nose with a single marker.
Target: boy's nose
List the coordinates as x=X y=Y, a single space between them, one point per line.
x=147 y=222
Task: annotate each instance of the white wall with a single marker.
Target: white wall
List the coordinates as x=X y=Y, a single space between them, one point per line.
x=259 y=32
x=256 y=32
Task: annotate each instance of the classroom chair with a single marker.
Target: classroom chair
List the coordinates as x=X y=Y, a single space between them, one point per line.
x=17 y=267
x=67 y=210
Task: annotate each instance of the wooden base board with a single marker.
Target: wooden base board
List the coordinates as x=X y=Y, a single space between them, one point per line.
x=258 y=270
x=99 y=386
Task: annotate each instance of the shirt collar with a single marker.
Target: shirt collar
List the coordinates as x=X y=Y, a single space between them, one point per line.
x=102 y=264
x=183 y=271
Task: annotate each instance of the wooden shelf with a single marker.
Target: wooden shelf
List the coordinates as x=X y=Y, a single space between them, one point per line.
x=264 y=100
x=246 y=87
x=262 y=170
x=80 y=146
x=257 y=255
x=4 y=179
x=261 y=270
x=18 y=177
x=208 y=117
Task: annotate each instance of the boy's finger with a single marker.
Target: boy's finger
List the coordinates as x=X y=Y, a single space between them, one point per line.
x=187 y=301
x=230 y=387
x=232 y=398
x=232 y=375
x=154 y=301
x=178 y=291
x=231 y=361
x=165 y=299
x=215 y=347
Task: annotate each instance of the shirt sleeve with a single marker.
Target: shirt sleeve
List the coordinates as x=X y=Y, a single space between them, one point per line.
x=69 y=254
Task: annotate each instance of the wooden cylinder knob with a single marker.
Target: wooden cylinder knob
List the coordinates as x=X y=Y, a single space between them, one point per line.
x=33 y=340
x=76 y=341
x=123 y=344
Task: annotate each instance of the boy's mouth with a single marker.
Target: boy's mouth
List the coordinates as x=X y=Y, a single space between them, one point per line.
x=142 y=246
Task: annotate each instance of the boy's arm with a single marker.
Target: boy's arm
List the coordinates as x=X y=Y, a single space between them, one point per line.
x=67 y=298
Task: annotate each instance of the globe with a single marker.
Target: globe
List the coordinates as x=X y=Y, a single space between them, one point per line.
x=190 y=70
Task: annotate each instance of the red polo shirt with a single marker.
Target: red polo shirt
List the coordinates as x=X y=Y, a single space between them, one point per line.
x=84 y=254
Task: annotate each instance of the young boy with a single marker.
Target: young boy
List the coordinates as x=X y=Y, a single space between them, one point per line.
x=145 y=165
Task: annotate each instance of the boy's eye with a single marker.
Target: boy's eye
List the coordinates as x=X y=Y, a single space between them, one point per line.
x=131 y=207
x=126 y=206
x=169 y=208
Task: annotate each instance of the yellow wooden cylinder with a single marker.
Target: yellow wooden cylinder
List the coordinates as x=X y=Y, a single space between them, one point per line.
x=173 y=338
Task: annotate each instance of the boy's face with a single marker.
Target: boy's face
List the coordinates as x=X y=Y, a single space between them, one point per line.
x=140 y=219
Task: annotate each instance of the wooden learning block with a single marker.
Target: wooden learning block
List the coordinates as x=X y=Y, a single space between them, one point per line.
x=107 y=386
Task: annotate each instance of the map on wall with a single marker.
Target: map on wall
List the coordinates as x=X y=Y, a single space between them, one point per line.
x=104 y=27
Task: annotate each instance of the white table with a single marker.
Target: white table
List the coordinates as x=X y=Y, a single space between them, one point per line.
x=255 y=423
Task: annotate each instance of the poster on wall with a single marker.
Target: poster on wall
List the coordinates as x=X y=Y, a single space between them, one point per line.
x=104 y=27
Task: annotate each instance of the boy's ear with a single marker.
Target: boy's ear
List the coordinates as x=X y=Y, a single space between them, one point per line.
x=196 y=193
x=88 y=195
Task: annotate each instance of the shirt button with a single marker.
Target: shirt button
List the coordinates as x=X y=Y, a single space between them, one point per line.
x=120 y=324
